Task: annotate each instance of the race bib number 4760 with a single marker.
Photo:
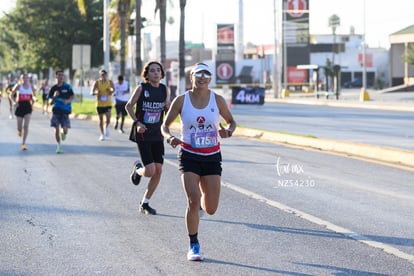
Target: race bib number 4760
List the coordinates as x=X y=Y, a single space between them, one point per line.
x=204 y=139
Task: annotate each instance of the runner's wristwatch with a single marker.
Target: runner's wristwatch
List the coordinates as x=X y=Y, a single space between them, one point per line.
x=169 y=139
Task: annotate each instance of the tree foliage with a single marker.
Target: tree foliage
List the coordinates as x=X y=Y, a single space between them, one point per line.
x=34 y=40
x=410 y=54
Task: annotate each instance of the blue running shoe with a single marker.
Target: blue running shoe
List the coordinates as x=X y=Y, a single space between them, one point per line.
x=194 y=253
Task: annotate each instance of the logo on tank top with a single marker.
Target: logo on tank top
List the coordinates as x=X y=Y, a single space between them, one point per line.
x=146 y=94
x=201 y=120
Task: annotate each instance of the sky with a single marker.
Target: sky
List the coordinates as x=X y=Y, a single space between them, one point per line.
x=6 y=5
x=382 y=18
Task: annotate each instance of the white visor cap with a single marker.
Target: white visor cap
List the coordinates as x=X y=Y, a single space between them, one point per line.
x=201 y=67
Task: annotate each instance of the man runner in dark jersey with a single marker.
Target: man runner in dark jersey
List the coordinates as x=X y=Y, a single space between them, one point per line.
x=151 y=100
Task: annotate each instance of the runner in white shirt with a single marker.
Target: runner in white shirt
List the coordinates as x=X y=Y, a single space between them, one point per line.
x=121 y=98
x=23 y=97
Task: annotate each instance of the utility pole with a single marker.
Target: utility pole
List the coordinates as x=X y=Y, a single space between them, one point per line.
x=275 y=53
x=334 y=21
x=240 y=30
x=364 y=96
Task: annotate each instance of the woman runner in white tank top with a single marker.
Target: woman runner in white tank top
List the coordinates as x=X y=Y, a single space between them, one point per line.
x=199 y=156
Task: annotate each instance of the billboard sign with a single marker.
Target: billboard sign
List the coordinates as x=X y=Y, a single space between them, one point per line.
x=225 y=72
x=225 y=35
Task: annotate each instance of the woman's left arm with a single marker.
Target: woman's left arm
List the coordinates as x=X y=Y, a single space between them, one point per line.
x=34 y=99
x=227 y=116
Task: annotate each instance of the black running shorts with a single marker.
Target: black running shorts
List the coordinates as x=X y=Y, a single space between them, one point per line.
x=200 y=165
x=23 y=109
x=103 y=109
x=151 y=151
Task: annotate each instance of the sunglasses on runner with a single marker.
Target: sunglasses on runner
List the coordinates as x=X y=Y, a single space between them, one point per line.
x=202 y=74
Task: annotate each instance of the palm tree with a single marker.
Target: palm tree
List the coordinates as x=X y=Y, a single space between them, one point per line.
x=138 y=25
x=159 y=5
x=118 y=25
x=81 y=7
x=409 y=56
x=162 y=6
x=123 y=11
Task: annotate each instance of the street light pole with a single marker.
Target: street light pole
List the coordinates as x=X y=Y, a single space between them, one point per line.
x=364 y=96
x=275 y=54
x=334 y=21
x=285 y=70
x=364 y=67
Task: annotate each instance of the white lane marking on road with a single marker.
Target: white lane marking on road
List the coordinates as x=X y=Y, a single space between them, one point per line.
x=338 y=229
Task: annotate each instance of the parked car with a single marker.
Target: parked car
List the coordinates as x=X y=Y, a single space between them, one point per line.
x=356 y=83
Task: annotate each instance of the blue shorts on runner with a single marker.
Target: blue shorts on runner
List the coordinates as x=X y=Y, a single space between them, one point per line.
x=60 y=119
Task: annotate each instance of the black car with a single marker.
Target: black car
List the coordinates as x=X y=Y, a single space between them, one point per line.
x=356 y=83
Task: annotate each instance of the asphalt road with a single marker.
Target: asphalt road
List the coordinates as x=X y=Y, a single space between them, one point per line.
x=283 y=211
x=343 y=120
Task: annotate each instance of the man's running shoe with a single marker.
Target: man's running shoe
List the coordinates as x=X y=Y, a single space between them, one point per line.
x=146 y=209
x=58 y=149
x=135 y=177
x=19 y=133
x=106 y=132
x=194 y=253
x=63 y=136
x=24 y=147
x=101 y=138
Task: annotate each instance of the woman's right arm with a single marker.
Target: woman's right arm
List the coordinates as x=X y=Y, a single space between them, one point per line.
x=172 y=114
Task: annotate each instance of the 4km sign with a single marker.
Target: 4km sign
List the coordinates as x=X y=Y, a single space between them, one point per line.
x=248 y=95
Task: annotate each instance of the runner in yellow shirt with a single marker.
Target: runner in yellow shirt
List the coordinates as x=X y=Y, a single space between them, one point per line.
x=103 y=90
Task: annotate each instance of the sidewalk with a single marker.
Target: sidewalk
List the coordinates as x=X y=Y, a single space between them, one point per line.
x=400 y=101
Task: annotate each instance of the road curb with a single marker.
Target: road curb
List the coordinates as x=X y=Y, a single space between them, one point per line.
x=365 y=105
x=380 y=153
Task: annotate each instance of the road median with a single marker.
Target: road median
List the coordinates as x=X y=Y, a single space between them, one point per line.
x=383 y=154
